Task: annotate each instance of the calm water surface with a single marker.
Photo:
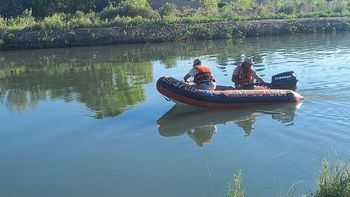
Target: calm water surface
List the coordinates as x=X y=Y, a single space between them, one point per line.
x=89 y=121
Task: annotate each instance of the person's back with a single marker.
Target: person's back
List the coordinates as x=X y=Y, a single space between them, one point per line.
x=202 y=75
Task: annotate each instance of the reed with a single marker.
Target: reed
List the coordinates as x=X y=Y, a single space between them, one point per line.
x=235 y=189
x=334 y=180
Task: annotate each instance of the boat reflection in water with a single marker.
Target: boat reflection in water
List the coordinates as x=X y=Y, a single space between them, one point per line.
x=201 y=124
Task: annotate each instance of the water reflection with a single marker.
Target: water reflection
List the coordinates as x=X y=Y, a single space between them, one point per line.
x=105 y=88
x=224 y=52
x=110 y=79
x=201 y=124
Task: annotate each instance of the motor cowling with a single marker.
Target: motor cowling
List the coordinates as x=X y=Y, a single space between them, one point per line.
x=286 y=80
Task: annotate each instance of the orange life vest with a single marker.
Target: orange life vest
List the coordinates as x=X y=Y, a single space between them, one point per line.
x=245 y=76
x=204 y=75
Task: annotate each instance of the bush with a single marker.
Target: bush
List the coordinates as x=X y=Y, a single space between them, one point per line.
x=264 y=11
x=128 y=21
x=287 y=8
x=228 y=12
x=55 y=21
x=244 y=4
x=25 y=20
x=2 y=22
x=129 y=8
x=167 y=20
x=109 y=12
x=190 y=12
x=79 y=19
x=340 y=7
x=210 y=5
x=168 y=9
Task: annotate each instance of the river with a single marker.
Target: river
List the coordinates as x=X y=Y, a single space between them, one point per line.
x=90 y=122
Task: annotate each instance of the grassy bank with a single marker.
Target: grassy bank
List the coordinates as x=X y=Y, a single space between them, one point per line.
x=48 y=38
x=133 y=21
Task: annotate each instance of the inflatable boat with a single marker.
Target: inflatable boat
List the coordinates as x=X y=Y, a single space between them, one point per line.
x=280 y=90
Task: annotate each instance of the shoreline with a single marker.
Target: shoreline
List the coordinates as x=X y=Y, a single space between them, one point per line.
x=56 y=38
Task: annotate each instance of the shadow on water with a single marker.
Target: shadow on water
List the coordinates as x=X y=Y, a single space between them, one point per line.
x=201 y=124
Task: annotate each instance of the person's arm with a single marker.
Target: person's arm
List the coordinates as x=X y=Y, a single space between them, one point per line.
x=234 y=77
x=259 y=79
x=186 y=77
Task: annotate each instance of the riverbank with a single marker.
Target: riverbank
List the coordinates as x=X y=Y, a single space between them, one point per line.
x=52 y=38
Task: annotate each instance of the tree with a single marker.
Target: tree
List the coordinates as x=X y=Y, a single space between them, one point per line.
x=11 y=8
x=210 y=5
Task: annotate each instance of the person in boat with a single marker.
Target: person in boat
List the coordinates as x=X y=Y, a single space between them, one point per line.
x=244 y=74
x=202 y=75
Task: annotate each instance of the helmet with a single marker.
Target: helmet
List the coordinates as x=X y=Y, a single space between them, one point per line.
x=248 y=60
x=197 y=62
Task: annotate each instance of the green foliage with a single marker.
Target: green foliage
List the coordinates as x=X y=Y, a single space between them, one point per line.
x=138 y=12
x=228 y=12
x=244 y=4
x=42 y=8
x=210 y=5
x=200 y=19
x=334 y=180
x=109 y=12
x=190 y=12
x=168 y=9
x=79 y=19
x=287 y=8
x=129 y=21
x=135 y=8
x=2 y=22
x=167 y=20
x=340 y=6
x=235 y=189
x=264 y=10
x=26 y=19
x=109 y=9
x=56 y=21
x=131 y=8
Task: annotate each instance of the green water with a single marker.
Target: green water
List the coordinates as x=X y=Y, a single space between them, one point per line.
x=90 y=122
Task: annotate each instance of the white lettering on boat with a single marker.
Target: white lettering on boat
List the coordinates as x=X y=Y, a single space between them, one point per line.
x=232 y=93
x=262 y=93
x=179 y=84
x=283 y=77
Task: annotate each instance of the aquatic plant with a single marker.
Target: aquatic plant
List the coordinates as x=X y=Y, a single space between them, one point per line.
x=334 y=180
x=235 y=189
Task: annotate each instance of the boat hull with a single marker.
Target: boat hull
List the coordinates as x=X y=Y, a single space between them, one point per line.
x=181 y=92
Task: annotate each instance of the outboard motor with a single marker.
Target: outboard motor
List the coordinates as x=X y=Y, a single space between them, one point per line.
x=286 y=80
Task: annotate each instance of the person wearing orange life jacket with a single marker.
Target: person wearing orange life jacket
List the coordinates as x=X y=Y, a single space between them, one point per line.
x=202 y=75
x=244 y=74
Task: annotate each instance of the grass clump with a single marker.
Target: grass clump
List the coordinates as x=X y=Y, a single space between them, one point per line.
x=235 y=189
x=334 y=180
